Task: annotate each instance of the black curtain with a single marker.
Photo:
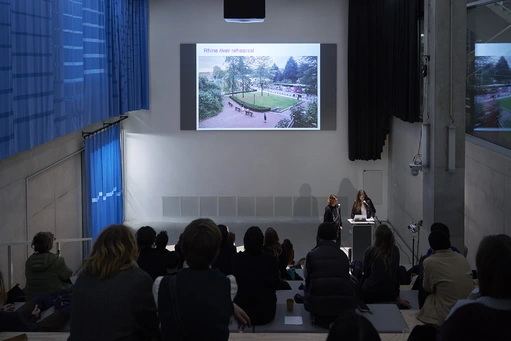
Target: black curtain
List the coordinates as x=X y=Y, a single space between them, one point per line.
x=383 y=71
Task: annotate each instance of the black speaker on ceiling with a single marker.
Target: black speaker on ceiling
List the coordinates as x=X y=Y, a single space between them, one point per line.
x=244 y=11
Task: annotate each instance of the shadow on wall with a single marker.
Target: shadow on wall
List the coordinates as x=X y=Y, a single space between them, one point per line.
x=306 y=205
x=346 y=195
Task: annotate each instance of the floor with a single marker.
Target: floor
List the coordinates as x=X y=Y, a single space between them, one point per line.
x=300 y=231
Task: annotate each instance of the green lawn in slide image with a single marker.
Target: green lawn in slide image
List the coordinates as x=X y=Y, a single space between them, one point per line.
x=505 y=103
x=271 y=101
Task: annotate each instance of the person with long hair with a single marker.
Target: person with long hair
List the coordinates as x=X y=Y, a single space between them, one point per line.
x=487 y=316
x=363 y=205
x=380 y=283
x=333 y=215
x=112 y=297
x=46 y=272
x=223 y=259
x=273 y=247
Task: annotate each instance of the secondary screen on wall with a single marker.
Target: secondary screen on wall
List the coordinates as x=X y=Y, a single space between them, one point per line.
x=258 y=87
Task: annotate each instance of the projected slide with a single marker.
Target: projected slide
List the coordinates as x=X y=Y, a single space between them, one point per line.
x=258 y=87
x=492 y=87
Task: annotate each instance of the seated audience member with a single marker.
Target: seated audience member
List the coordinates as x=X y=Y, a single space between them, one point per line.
x=196 y=303
x=179 y=251
x=173 y=262
x=223 y=260
x=447 y=277
x=351 y=326
x=487 y=317
x=257 y=277
x=328 y=288
x=287 y=247
x=380 y=283
x=46 y=272
x=442 y=228
x=13 y=321
x=161 y=241
x=423 y=294
x=112 y=297
x=273 y=247
x=150 y=259
x=231 y=238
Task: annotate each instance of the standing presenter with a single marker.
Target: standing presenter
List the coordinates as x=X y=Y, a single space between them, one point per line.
x=363 y=205
x=333 y=215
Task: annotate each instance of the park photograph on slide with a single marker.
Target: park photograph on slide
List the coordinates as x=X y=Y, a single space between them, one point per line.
x=258 y=86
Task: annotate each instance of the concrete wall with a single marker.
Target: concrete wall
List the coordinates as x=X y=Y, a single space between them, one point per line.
x=246 y=172
x=54 y=200
x=487 y=192
x=405 y=190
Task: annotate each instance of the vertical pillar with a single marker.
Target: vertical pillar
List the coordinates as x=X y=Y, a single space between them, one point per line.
x=443 y=189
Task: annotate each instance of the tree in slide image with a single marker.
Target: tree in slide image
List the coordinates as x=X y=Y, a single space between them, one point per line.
x=291 y=70
x=309 y=74
x=210 y=98
x=305 y=118
x=263 y=73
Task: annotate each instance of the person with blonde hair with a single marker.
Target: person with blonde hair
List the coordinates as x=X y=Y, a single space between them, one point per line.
x=112 y=297
x=333 y=215
x=46 y=272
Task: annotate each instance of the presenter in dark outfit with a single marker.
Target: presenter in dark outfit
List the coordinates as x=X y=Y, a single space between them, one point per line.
x=333 y=215
x=363 y=205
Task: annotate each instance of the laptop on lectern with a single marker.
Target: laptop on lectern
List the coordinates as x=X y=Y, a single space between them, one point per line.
x=359 y=217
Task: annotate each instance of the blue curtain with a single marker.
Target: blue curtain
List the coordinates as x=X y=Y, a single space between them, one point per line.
x=103 y=171
x=66 y=64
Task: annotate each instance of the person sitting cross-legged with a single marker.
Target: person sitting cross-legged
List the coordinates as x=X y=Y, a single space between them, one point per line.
x=196 y=303
x=447 y=277
x=329 y=290
x=258 y=278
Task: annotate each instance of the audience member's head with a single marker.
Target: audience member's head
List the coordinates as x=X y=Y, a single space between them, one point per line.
x=287 y=246
x=3 y=290
x=162 y=239
x=332 y=200
x=493 y=262
x=427 y=332
x=352 y=327
x=173 y=261
x=442 y=228
x=43 y=242
x=327 y=231
x=231 y=238
x=438 y=240
x=384 y=243
x=201 y=243
x=115 y=250
x=253 y=240
x=224 y=231
x=271 y=241
x=146 y=236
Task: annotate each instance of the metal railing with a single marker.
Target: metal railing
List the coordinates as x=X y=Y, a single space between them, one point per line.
x=9 y=245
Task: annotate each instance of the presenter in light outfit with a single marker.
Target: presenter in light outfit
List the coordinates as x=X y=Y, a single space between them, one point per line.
x=363 y=205
x=333 y=215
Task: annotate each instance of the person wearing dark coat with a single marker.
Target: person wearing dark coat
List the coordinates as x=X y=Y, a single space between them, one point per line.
x=380 y=283
x=223 y=260
x=329 y=290
x=150 y=260
x=333 y=215
x=257 y=277
x=363 y=205
x=112 y=297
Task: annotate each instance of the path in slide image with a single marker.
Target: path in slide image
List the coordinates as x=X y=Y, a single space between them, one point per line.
x=230 y=118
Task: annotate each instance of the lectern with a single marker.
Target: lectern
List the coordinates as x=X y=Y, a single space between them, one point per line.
x=361 y=237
